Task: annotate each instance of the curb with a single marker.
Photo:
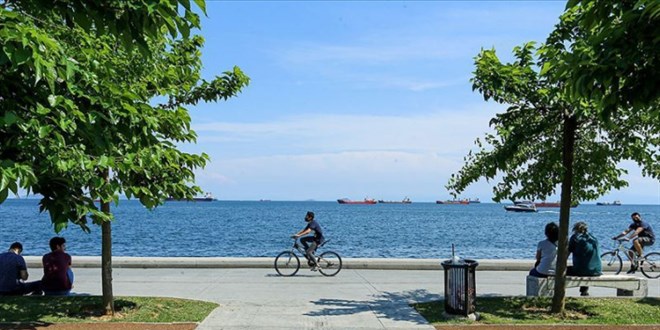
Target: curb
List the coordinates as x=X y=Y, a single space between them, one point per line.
x=263 y=262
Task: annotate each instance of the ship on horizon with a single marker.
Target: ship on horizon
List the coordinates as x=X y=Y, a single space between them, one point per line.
x=403 y=201
x=208 y=197
x=454 y=201
x=349 y=201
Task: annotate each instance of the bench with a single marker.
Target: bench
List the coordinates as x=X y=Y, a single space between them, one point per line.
x=625 y=285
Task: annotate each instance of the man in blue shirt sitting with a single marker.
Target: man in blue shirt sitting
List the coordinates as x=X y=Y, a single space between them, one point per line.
x=13 y=271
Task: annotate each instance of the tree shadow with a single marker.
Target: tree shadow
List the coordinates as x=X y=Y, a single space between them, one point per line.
x=651 y=301
x=27 y=312
x=390 y=305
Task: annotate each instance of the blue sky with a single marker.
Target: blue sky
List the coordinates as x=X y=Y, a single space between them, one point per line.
x=358 y=99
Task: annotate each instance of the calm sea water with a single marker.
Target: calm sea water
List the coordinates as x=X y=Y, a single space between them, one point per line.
x=261 y=229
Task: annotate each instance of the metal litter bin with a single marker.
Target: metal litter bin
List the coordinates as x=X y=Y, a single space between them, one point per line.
x=460 y=286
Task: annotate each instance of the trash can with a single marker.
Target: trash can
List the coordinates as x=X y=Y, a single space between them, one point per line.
x=460 y=286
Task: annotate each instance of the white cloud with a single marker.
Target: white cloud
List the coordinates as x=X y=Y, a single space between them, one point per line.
x=339 y=155
x=440 y=132
x=325 y=157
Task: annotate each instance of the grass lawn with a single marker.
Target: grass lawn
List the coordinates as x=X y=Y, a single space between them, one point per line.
x=31 y=309
x=536 y=310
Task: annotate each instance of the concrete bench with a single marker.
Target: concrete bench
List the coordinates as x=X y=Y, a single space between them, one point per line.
x=625 y=285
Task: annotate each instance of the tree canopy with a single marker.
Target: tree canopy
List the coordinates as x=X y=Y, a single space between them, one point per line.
x=607 y=52
x=76 y=102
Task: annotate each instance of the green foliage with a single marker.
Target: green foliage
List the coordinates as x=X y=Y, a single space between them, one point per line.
x=524 y=310
x=133 y=22
x=76 y=101
x=525 y=151
x=89 y=308
x=526 y=148
x=607 y=52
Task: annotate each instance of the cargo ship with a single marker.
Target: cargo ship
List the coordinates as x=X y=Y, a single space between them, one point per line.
x=348 y=201
x=454 y=201
x=404 y=201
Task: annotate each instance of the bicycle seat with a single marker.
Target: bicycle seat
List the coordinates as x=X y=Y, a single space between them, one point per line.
x=320 y=245
x=623 y=239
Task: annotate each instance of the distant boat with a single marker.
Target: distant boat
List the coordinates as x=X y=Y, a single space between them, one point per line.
x=208 y=197
x=551 y=204
x=474 y=201
x=547 y=204
x=615 y=203
x=454 y=201
x=521 y=207
x=404 y=201
x=348 y=201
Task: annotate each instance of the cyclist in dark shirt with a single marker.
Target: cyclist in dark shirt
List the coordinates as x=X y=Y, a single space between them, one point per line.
x=310 y=243
x=642 y=235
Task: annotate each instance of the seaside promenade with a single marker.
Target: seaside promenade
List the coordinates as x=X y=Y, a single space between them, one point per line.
x=366 y=294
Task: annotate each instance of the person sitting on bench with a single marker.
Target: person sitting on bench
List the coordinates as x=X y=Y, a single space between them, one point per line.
x=586 y=254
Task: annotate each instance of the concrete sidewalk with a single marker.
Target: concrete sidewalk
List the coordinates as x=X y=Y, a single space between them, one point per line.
x=255 y=298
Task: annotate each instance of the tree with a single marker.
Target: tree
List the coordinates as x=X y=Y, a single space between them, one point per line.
x=546 y=140
x=613 y=58
x=77 y=121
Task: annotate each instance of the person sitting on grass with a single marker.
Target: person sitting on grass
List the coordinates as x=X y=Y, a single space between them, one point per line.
x=13 y=273
x=58 y=276
x=546 y=252
x=586 y=254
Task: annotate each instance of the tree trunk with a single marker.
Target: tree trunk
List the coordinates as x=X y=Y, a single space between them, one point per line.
x=106 y=259
x=559 y=298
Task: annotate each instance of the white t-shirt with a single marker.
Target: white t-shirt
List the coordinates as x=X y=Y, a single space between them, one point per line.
x=548 y=257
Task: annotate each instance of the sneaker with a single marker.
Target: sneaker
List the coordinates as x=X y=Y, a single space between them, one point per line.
x=632 y=270
x=314 y=268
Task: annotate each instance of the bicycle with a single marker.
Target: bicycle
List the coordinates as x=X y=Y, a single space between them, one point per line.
x=649 y=264
x=287 y=263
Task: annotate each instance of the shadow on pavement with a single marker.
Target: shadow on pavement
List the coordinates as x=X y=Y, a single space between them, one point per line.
x=390 y=305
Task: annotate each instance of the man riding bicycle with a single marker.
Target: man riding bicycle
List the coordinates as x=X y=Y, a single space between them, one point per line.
x=310 y=243
x=642 y=236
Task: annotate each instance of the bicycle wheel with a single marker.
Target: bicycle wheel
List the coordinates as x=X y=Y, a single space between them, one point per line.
x=650 y=266
x=611 y=262
x=287 y=263
x=329 y=263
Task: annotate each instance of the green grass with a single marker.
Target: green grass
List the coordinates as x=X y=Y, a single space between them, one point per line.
x=536 y=310
x=88 y=309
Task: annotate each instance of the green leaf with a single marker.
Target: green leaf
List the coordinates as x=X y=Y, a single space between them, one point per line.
x=59 y=226
x=44 y=131
x=52 y=100
x=42 y=110
x=70 y=70
x=4 y=193
x=103 y=161
x=545 y=68
x=10 y=118
x=202 y=5
x=185 y=4
x=21 y=55
x=4 y=181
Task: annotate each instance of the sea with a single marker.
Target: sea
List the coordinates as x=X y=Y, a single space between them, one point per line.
x=263 y=228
